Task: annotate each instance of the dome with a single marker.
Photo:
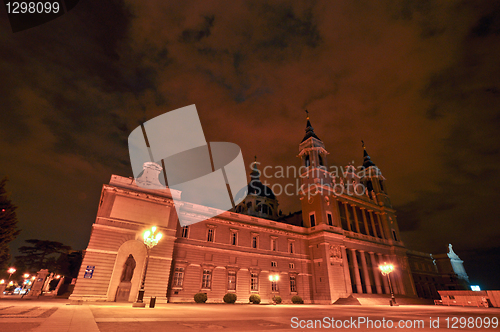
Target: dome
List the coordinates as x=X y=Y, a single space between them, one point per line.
x=255 y=187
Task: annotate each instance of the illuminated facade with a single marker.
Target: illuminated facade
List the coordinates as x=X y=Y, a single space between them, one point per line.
x=330 y=250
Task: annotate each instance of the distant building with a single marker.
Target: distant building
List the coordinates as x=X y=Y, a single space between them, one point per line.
x=329 y=250
x=433 y=273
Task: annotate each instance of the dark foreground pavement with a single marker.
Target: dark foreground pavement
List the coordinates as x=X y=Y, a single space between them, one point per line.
x=57 y=315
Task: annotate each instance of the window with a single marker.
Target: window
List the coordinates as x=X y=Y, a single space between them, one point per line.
x=274 y=264
x=394 y=235
x=254 y=282
x=255 y=241
x=293 y=284
x=291 y=265
x=330 y=219
x=178 y=276
x=312 y=219
x=185 y=231
x=231 y=280
x=308 y=163
x=249 y=205
x=210 y=235
x=291 y=247
x=274 y=244
x=234 y=238
x=207 y=279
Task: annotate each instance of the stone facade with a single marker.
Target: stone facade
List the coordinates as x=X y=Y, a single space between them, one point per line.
x=328 y=251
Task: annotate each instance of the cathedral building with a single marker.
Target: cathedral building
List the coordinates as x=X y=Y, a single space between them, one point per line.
x=329 y=250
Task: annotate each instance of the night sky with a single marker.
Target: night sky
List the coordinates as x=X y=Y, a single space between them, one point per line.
x=418 y=81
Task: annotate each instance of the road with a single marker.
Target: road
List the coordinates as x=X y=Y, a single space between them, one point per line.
x=57 y=315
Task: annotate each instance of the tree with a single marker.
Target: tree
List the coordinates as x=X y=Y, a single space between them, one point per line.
x=8 y=224
x=41 y=255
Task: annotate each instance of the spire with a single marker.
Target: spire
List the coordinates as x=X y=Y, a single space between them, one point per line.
x=366 y=158
x=255 y=174
x=309 y=130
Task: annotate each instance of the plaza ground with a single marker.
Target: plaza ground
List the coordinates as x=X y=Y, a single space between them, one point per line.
x=56 y=315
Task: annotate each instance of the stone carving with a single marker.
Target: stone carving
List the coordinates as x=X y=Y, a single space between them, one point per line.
x=128 y=269
x=335 y=254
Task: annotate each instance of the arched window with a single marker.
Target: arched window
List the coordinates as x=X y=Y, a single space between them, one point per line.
x=320 y=161
x=308 y=162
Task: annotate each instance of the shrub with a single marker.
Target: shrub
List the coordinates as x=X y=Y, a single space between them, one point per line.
x=230 y=298
x=277 y=299
x=200 y=297
x=255 y=298
x=297 y=299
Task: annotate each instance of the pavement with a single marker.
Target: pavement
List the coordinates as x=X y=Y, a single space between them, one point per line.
x=53 y=314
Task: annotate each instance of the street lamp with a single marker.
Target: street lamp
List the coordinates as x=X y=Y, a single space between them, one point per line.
x=274 y=283
x=386 y=269
x=11 y=271
x=150 y=240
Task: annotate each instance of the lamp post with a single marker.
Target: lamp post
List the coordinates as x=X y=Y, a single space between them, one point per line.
x=11 y=271
x=274 y=279
x=150 y=240
x=386 y=269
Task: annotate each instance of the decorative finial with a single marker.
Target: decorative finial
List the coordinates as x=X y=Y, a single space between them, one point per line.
x=255 y=158
x=364 y=147
x=307 y=115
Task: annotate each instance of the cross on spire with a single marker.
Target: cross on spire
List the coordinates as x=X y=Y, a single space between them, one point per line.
x=307 y=114
x=364 y=147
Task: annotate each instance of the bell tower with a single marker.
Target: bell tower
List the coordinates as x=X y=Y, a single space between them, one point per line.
x=373 y=181
x=316 y=183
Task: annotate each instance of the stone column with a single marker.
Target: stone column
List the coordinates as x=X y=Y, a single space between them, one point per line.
x=347 y=274
x=384 y=278
x=375 y=232
x=347 y=217
x=380 y=225
x=356 y=221
x=363 y=212
x=359 y=288
x=366 y=274
x=376 y=273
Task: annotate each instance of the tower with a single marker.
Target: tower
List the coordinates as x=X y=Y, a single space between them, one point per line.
x=316 y=191
x=373 y=181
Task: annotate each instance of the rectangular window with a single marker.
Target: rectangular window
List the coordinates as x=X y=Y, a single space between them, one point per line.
x=312 y=219
x=293 y=284
x=231 y=280
x=178 y=276
x=330 y=219
x=274 y=244
x=274 y=264
x=254 y=281
x=185 y=230
x=291 y=265
x=207 y=279
x=291 y=246
x=234 y=238
x=254 y=241
x=210 y=235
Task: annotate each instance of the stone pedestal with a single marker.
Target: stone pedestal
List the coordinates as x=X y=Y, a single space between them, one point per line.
x=123 y=291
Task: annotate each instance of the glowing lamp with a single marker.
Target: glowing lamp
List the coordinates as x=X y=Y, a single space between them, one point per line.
x=386 y=268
